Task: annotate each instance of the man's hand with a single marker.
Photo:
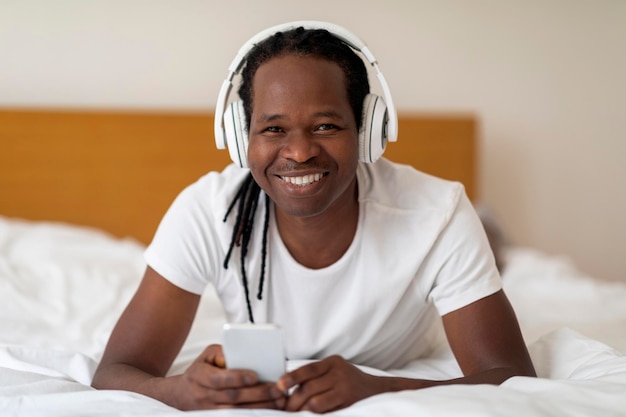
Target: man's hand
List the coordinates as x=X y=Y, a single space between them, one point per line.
x=328 y=385
x=206 y=384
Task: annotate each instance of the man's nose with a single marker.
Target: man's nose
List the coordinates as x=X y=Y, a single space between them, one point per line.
x=300 y=146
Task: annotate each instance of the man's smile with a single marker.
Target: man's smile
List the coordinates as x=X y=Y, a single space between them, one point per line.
x=303 y=180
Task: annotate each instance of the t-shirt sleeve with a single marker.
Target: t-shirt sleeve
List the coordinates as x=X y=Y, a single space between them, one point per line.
x=185 y=249
x=468 y=271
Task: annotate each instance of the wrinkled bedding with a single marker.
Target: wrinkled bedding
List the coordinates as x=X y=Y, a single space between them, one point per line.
x=62 y=288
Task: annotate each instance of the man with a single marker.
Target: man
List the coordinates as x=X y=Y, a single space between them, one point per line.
x=356 y=261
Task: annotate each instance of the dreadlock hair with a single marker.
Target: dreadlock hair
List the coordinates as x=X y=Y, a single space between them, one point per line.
x=248 y=198
x=317 y=43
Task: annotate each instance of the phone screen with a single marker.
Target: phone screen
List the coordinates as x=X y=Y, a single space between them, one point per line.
x=257 y=347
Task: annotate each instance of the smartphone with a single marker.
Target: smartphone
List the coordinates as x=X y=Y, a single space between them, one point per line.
x=257 y=347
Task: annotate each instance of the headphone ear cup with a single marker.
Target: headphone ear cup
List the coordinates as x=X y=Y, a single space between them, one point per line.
x=236 y=133
x=373 y=134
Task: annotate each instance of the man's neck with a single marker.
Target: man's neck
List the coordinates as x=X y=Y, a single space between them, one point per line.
x=319 y=241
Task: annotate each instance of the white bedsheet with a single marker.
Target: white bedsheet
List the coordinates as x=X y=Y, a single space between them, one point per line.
x=549 y=292
x=62 y=289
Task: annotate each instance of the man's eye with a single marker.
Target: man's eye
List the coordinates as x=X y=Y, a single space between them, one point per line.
x=273 y=129
x=326 y=127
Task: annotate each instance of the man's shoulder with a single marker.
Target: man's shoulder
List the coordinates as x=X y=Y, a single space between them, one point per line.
x=404 y=187
x=215 y=189
x=229 y=178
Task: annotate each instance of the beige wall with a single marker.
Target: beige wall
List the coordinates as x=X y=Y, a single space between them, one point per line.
x=545 y=77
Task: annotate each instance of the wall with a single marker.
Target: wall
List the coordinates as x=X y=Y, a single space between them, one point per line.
x=545 y=77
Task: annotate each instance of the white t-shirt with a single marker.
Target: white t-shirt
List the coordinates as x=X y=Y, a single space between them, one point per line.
x=419 y=252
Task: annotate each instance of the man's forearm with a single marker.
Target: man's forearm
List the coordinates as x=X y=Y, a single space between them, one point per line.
x=494 y=376
x=128 y=378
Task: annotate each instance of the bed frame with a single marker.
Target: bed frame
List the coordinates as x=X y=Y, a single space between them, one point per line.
x=120 y=170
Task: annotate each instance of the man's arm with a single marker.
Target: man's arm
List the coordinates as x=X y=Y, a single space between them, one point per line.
x=145 y=342
x=484 y=336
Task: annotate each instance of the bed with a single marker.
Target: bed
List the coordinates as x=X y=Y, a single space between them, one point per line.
x=81 y=193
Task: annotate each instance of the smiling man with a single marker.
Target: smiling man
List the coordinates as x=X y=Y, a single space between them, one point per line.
x=355 y=257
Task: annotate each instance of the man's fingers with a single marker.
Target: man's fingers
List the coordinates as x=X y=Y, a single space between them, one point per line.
x=317 y=400
x=213 y=355
x=266 y=394
x=214 y=378
x=301 y=375
x=211 y=387
x=324 y=402
x=314 y=386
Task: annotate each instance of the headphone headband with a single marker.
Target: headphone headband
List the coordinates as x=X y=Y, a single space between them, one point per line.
x=338 y=31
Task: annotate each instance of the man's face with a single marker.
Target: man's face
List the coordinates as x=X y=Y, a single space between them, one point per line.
x=303 y=147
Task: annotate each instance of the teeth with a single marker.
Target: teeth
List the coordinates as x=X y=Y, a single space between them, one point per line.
x=303 y=180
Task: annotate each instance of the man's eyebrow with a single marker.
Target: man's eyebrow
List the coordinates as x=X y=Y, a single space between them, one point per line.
x=264 y=118
x=330 y=114
x=272 y=117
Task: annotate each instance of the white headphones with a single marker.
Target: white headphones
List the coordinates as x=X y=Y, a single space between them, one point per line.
x=380 y=121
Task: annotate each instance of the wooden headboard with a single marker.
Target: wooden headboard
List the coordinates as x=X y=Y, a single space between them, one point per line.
x=119 y=171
